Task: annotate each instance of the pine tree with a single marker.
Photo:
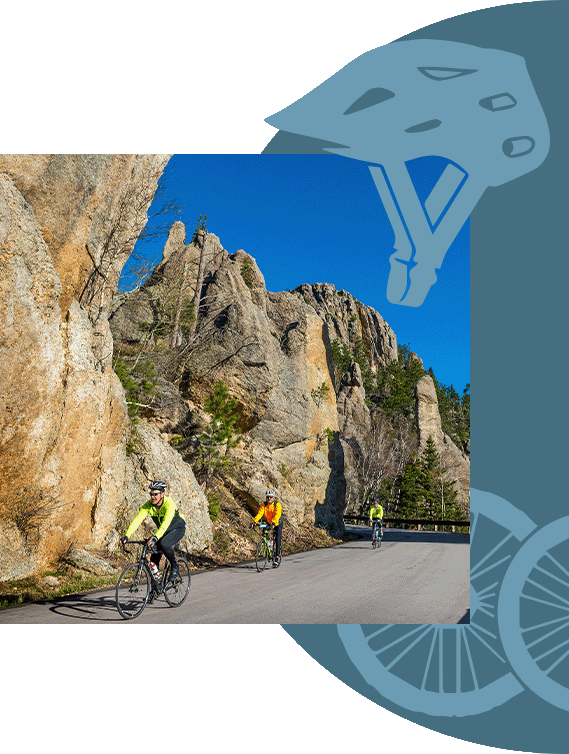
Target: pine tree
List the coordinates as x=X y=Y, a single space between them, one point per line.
x=440 y=497
x=429 y=465
x=221 y=434
x=410 y=490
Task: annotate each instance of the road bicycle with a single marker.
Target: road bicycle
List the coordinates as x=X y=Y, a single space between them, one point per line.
x=137 y=587
x=265 y=549
x=377 y=535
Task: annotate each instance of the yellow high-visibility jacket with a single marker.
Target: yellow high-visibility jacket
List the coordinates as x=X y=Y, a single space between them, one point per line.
x=166 y=518
x=375 y=512
x=272 y=513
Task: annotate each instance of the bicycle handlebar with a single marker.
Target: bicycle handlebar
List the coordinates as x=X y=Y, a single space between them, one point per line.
x=139 y=542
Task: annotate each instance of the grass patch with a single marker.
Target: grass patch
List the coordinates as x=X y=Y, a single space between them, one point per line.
x=34 y=589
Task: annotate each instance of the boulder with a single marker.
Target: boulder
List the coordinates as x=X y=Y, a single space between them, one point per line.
x=86 y=561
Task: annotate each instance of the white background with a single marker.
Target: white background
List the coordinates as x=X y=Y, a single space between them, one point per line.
x=182 y=77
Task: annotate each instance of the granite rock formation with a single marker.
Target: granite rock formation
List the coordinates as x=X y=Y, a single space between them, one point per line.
x=67 y=224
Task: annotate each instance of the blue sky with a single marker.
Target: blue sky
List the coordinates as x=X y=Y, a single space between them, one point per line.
x=319 y=219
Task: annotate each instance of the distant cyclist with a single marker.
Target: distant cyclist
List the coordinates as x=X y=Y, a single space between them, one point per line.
x=376 y=515
x=271 y=510
x=171 y=526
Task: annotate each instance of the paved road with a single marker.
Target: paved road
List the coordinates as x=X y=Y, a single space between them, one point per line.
x=415 y=577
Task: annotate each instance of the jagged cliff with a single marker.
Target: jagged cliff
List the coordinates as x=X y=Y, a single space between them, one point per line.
x=72 y=471
x=67 y=225
x=306 y=424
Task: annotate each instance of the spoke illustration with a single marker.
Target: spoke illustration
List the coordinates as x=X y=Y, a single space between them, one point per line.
x=543 y=625
x=544 y=602
x=552 y=576
x=472 y=670
x=547 y=591
x=546 y=636
x=428 y=665
x=557 y=563
x=556 y=663
x=401 y=638
x=402 y=654
x=475 y=633
x=484 y=630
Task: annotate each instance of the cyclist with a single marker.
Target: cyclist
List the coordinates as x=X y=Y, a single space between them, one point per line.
x=171 y=526
x=272 y=511
x=376 y=514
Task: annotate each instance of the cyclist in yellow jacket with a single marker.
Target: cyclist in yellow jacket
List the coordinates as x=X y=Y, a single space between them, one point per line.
x=271 y=510
x=171 y=526
x=376 y=514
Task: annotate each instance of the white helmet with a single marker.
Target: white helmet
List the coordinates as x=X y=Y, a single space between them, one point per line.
x=270 y=493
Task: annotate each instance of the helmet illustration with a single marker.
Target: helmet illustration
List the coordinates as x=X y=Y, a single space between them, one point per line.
x=474 y=109
x=158 y=486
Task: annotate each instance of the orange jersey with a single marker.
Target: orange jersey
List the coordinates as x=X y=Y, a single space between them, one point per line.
x=272 y=513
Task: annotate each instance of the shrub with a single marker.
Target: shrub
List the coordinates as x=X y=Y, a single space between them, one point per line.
x=214 y=506
x=247 y=272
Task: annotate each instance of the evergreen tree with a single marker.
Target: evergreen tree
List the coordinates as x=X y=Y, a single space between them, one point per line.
x=396 y=383
x=221 y=434
x=425 y=490
x=410 y=490
x=440 y=496
x=429 y=465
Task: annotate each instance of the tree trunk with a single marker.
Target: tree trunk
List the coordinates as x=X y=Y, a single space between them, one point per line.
x=198 y=291
x=176 y=338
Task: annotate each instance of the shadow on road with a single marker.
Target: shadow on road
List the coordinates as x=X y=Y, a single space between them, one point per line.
x=90 y=607
x=405 y=535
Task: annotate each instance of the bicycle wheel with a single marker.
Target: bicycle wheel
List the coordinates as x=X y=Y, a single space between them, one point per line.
x=177 y=592
x=133 y=588
x=261 y=556
x=533 y=613
x=450 y=670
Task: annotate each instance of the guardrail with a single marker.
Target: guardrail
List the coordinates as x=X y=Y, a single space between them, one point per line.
x=418 y=522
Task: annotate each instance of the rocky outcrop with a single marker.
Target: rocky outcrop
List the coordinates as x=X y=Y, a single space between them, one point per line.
x=272 y=351
x=354 y=423
x=67 y=224
x=350 y=321
x=305 y=427
x=428 y=420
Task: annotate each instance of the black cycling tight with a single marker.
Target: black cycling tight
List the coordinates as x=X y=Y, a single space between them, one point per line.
x=166 y=545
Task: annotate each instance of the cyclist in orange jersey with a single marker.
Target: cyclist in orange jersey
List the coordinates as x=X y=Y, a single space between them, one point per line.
x=271 y=510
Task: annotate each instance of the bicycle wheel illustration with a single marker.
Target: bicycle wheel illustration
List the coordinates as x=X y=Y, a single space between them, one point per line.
x=453 y=670
x=533 y=613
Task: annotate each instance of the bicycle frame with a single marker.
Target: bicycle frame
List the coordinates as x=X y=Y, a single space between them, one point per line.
x=377 y=534
x=157 y=585
x=267 y=538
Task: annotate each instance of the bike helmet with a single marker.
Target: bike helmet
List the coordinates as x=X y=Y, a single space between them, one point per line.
x=158 y=486
x=270 y=493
